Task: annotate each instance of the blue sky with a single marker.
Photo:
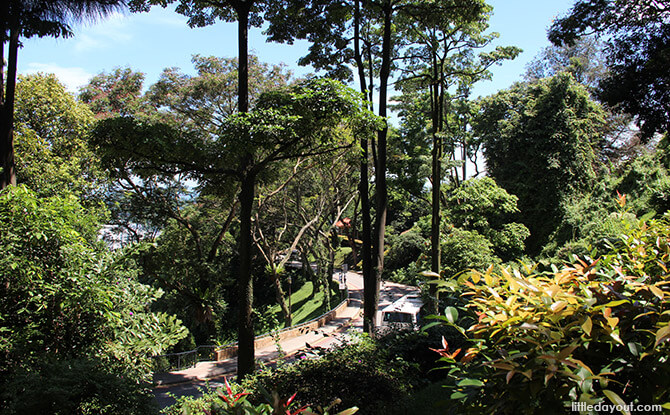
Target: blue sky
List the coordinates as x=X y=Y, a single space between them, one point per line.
x=149 y=42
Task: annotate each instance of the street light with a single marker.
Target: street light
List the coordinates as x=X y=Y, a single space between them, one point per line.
x=290 y=286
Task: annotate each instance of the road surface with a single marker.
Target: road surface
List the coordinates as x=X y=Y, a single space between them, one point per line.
x=193 y=381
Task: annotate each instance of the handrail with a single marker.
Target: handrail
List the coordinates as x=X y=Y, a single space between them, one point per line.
x=304 y=323
x=260 y=336
x=180 y=355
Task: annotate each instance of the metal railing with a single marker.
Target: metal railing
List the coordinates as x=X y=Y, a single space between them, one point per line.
x=181 y=360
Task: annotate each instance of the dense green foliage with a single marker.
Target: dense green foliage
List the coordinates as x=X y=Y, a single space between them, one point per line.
x=405 y=249
x=53 y=157
x=594 y=331
x=539 y=142
x=229 y=188
x=638 y=41
x=478 y=228
x=71 y=310
x=481 y=205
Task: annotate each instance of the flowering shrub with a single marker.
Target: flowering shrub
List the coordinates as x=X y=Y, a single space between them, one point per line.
x=594 y=331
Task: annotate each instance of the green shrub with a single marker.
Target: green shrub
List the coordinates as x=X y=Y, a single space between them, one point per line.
x=462 y=250
x=481 y=205
x=360 y=374
x=77 y=386
x=594 y=331
x=410 y=275
x=405 y=249
x=66 y=302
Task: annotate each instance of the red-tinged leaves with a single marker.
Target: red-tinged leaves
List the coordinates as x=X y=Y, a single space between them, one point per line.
x=297 y=411
x=469 y=355
x=230 y=398
x=509 y=375
x=621 y=199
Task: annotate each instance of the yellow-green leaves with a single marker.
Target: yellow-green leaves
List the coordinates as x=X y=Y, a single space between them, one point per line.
x=662 y=335
x=587 y=326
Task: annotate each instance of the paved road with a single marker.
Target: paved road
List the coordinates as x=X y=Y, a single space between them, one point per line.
x=193 y=381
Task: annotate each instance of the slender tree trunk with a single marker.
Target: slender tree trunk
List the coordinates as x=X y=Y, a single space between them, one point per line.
x=8 y=175
x=307 y=269
x=464 y=148
x=243 y=59
x=245 y=335
x=366 y=238
x=219 y=238
x=245 y=329
x=436 y=175
x=372 y=288
x=281 y=298
x=2 y=71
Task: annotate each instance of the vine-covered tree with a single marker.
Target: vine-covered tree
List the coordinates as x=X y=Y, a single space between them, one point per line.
x=539 y=141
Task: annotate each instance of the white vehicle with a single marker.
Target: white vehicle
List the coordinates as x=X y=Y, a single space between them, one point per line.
x=403 y=312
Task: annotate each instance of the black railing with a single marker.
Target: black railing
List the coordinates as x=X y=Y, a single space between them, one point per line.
x=181 y=360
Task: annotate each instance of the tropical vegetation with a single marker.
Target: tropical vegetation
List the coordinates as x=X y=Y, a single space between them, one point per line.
x=140 y=220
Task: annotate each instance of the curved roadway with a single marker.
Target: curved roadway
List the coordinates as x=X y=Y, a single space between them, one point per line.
x=192 y=381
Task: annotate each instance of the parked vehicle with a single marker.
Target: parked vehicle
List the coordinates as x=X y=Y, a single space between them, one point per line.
x=403 y=313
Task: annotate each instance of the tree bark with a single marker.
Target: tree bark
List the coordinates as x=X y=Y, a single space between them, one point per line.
x=245 y=335
x=436 y=175
x=243 y=57
x=281 y=298
x=8 y=175
x=372 y=287
x=366 y=237
x=245 y=331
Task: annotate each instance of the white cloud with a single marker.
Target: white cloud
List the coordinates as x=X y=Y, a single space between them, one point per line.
x=72 y=77
x=168 y=18
x=111 y=30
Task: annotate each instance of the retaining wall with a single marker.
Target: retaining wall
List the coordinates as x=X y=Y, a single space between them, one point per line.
x=264 y=340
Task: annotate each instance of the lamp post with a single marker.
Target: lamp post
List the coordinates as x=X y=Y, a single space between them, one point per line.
x=290 y=313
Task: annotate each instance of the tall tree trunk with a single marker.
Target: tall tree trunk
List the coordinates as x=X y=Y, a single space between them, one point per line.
x=366 y=238
x=372 y=288
x=2 y=69
x=8 y=175
x=307 y=269
x=245 y=334
x=245 y=329
x=436 y=175
x=243 y=58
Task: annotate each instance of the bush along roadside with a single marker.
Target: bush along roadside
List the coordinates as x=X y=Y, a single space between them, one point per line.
x=233 y=401
x=595 y=331
x=363 y=374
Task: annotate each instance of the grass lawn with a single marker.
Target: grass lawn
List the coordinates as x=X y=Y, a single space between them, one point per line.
x=306 y=304
x=340 y=255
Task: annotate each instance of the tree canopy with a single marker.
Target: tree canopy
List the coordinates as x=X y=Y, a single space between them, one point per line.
x=639 y=41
